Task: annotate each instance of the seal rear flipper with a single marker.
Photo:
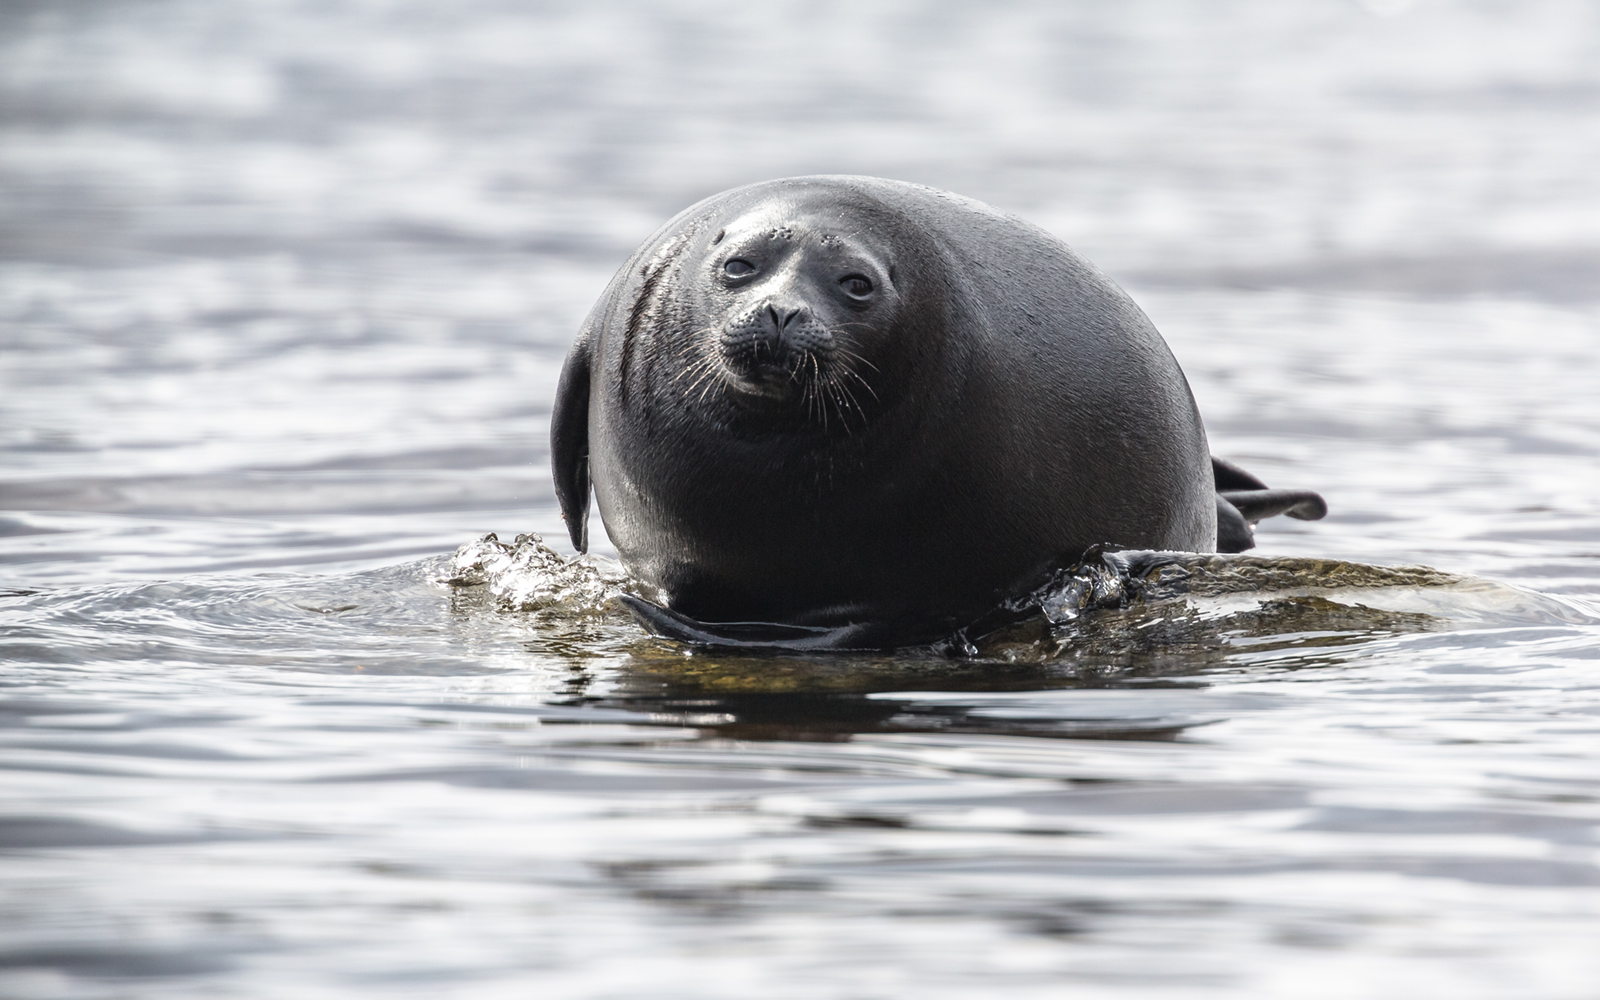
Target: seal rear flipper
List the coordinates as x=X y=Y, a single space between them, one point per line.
x=1256 y=505
x=1242 y=500
x=1226 y=476
x=569 y=443
x=1233 y=531
x=671 y=624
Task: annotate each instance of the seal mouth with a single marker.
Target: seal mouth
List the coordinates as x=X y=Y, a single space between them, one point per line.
x=781 y=375
x=816 y=388
x=782 y=362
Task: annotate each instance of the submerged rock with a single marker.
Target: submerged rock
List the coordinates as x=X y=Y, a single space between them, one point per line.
x=1176 y=599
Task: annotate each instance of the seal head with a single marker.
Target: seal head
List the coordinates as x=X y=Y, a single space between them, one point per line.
x=797 y=304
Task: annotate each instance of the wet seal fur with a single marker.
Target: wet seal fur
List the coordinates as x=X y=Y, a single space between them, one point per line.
x=849 y=413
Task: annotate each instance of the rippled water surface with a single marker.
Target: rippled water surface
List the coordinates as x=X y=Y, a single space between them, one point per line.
x=284 y=287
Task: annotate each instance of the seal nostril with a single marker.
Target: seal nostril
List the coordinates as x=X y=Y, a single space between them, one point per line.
x=780 y=318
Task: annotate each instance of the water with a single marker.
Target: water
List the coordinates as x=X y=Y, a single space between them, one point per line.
x=283 y=291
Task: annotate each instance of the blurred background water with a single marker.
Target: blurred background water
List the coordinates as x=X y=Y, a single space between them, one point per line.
x=284 y=287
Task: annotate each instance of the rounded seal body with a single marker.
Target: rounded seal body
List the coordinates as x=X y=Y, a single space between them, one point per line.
x=829 y=400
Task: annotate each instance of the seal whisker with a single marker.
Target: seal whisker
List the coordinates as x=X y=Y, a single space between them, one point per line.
x=700 y=365
x=691 y=341
x=817 y=385
x=838 y=394
x=844 y=390
x=852 y=323
x=696 y=384
x=709 y=382
x=844 y=393
x=853 y=356
x=695 y=369
x=707 y=368
x=864 y=383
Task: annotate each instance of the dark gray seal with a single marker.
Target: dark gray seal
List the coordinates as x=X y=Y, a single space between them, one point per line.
x=850 y=412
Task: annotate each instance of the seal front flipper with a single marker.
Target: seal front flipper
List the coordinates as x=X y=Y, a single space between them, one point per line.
x=671 y=624
x=569 y=442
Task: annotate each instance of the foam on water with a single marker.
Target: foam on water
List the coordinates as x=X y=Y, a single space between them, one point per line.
x=528 y=575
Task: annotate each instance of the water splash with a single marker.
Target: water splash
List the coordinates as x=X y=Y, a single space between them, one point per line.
x=528 y=575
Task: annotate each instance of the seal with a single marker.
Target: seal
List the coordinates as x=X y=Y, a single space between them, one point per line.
x=848 y=412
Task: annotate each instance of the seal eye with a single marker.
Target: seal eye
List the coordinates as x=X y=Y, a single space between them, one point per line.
x=857 y=286
x=738 y=267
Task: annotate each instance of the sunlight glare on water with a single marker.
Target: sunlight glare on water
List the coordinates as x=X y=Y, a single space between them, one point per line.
x=284 y=291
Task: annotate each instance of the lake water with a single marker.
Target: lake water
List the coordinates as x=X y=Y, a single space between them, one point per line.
x=284 y=288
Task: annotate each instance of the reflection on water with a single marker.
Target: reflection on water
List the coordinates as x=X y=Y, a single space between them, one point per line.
x=284 y=289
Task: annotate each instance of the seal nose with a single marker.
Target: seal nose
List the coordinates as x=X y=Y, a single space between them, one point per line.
x=780 y=315
x=781 y=319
